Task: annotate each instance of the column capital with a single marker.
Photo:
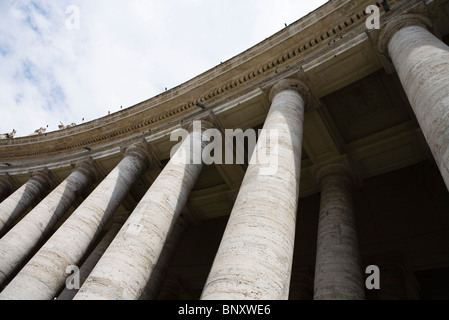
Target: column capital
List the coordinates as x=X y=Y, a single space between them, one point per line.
x=208 y=121
x=141 y=150
x=205 y=125
x=341 y=166
x=88 y=168
x=396 y=24
x=294 y=84
x=43 y=177
x=7 y=182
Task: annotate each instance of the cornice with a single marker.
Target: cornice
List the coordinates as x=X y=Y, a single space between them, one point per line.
x=288 y=48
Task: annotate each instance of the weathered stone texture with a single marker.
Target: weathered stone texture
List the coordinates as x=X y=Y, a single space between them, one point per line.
x=45 y=274
x=254 y=259
x=16 y=204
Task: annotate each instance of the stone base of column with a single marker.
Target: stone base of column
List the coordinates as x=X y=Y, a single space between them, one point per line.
x=255 y=256
x=154 y=284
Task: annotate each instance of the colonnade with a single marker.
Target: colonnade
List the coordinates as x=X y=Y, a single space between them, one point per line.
x=255 y=256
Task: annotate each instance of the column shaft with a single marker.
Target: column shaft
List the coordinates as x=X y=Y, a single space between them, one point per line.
x=90 y=263
x=422 y=63
x=45 y=274
x=16 y=204
x=126 y=267
x=153 y=287
x=301 y=285
x=21 y=241
x=338 y=272
x=255 y=256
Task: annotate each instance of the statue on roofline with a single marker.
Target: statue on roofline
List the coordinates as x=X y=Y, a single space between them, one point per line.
x=8 y=135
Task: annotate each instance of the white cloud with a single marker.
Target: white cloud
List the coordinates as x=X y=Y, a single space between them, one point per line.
x=124 y=52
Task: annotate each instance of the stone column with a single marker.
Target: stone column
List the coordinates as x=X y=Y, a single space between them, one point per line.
x=152 y=290
x=90 y=263
x=126 y=267
x=255 y=256
x=27 y=235
x=16 y=204
x=6 y=187
x=45 y=274
x=338 y=271
x=422 y=63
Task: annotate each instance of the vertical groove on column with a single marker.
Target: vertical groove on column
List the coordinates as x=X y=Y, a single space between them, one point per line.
x=16 y=204
x=28 y=234
x=45 y=274
x=126 y=267
x=255 y=256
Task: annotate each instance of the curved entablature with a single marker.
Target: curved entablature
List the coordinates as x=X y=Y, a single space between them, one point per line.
x=276 y=57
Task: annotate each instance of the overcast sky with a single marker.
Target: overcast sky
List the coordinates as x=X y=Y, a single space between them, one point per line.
x=121 y=53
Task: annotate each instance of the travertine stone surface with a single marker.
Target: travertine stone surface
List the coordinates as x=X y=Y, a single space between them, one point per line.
x=27 y=235
x=16 y=204
x=153 y=286
x=255 y=256
x=119 y=219
x=422 y=63
x=126 y=267
x=338 y=271
x=45 y=274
